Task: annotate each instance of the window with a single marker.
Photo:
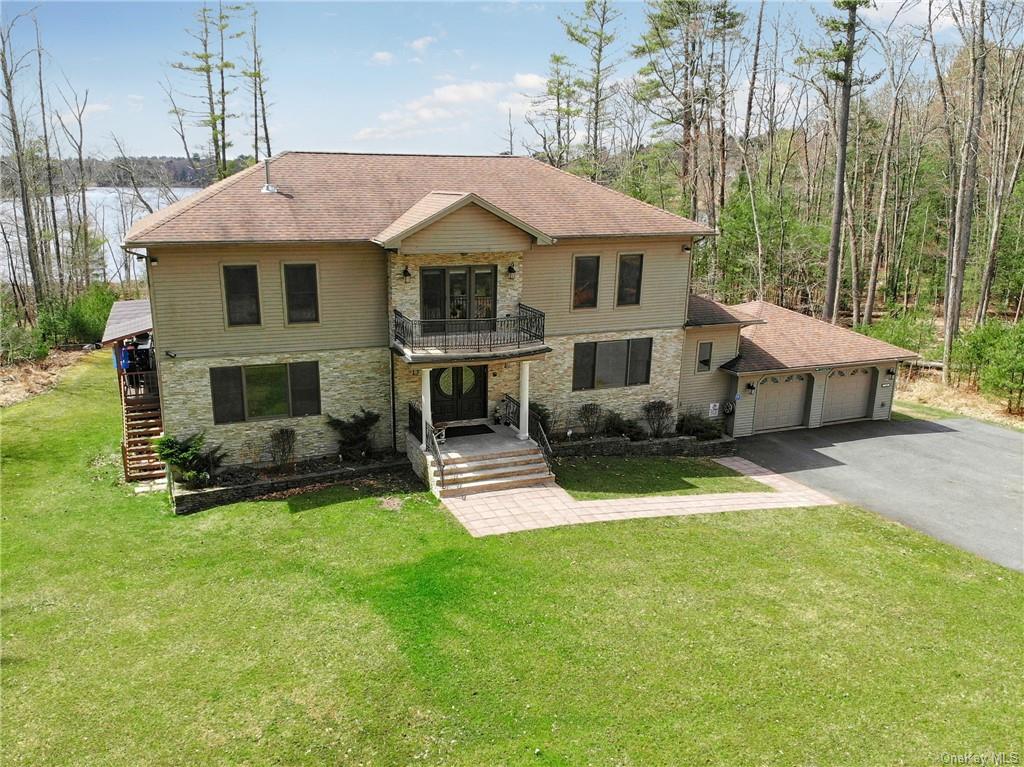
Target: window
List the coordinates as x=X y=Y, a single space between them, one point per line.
x=704 y=356
x=586 y=270
x=609 y=364
x=631 y=270
x=242 y=294
x=639 y=361
x=254 y=392
x=300 y=293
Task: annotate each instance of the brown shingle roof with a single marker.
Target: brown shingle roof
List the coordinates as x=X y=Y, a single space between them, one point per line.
x=703 y=311
x=789 y=340
x=436 y=205
x=328 y=197
x=126 y=319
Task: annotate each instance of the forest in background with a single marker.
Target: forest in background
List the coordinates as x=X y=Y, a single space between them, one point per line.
x=862 y=172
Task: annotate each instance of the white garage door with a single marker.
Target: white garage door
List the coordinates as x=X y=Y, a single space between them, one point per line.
x=848 y=394
x=781 y=401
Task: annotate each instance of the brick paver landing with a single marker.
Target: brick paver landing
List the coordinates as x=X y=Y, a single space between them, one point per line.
x=530 y=508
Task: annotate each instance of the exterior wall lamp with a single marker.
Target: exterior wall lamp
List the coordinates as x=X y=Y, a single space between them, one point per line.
x=406 y=274
x=511 y=270
x=751 y=387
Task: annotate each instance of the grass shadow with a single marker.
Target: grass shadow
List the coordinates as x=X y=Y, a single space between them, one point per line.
x=392 y=483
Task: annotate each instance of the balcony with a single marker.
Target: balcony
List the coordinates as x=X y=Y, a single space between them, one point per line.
x=442 y=340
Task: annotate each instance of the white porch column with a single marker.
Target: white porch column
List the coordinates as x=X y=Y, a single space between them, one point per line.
x=524 y=400
x=425 y=405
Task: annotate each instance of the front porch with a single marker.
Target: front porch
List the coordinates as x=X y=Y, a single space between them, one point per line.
x=466 y=456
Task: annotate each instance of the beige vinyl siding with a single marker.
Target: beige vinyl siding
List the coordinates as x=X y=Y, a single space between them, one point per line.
x=548 y=275
x=698 y=390
x=468 y=229
x=189 y=316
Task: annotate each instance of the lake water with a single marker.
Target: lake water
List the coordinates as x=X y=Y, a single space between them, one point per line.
x=112 y=210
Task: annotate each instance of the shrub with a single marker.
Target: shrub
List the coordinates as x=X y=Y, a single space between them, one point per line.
x=282 y=447
x=1003 y=371
x=354 y=434
x=912 y=329
x=17 y=342
x=617 y=425
x=79 y=320
x=696 y=425
x=191 y=464
x=590 y=416
x=658 y=415
x=543 y=413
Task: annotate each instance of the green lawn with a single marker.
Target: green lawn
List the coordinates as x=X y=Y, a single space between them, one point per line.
x=334 y=628
x=913 y=411
x=588 y=479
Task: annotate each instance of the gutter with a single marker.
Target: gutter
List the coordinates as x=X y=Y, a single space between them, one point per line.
x=813 y=368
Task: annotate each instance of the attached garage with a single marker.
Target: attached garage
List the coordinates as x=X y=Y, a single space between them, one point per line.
x=796 y=371
x=781 y=402
x=848 y=394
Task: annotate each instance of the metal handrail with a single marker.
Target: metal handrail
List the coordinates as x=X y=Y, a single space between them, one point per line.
x=416 y=429
x=481 y=334
x=510 y=416
x=435 y=450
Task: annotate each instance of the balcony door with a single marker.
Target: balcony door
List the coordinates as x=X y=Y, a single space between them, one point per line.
x=457 y=295
x=458 y=394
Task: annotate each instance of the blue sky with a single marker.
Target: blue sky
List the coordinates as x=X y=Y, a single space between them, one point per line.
x=402 y=77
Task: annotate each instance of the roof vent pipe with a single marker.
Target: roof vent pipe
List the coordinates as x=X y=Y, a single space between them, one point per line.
x=268 y=188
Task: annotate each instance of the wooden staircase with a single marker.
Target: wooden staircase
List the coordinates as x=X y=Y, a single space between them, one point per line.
x=142 y=422
x=498 y=470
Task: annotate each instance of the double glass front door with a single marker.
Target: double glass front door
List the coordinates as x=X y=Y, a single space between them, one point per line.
x=458 y=394
x=456 y=295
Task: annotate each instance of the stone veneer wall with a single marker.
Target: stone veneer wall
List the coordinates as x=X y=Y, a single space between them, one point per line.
x=349 y=379
x=551 y=377
x=405 y=293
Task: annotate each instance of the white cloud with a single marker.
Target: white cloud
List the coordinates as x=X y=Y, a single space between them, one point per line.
x=90 y=110
x=449 y=107
x=382 y=57
x=902 y=13
x=420 y=44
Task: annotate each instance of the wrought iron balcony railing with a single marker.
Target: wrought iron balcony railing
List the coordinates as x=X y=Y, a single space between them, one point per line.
x=525 y=328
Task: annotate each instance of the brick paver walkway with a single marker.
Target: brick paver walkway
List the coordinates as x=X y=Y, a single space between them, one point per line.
x=530 y=508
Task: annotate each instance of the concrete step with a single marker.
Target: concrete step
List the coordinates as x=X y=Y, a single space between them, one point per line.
x=503 y=472
x=456 y=467
x=526 y=449
x=487 y=485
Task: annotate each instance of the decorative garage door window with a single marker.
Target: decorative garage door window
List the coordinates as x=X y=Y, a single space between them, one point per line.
x=848 y=394
x=787 y=379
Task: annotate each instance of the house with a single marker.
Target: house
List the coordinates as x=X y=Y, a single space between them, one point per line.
x=445 y=291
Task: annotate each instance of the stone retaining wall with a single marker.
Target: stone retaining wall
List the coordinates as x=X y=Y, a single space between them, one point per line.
x=688 y=446
x=190 y=501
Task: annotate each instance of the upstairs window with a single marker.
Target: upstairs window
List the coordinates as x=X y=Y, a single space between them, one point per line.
x=242 y=295
x=631 y=271
x=300 y=293
x=610 y=364
x=256 y=392
x=704 y=356
x=586 y=270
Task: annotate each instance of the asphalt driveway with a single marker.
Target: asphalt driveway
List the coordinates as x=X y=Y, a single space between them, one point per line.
x=958 y=480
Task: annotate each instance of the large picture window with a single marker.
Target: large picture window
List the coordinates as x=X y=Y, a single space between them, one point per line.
x=631 y=272
x=610 y=364
x=242 y=295
x=255 y=392
x=300 y=293
x=586 y=271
